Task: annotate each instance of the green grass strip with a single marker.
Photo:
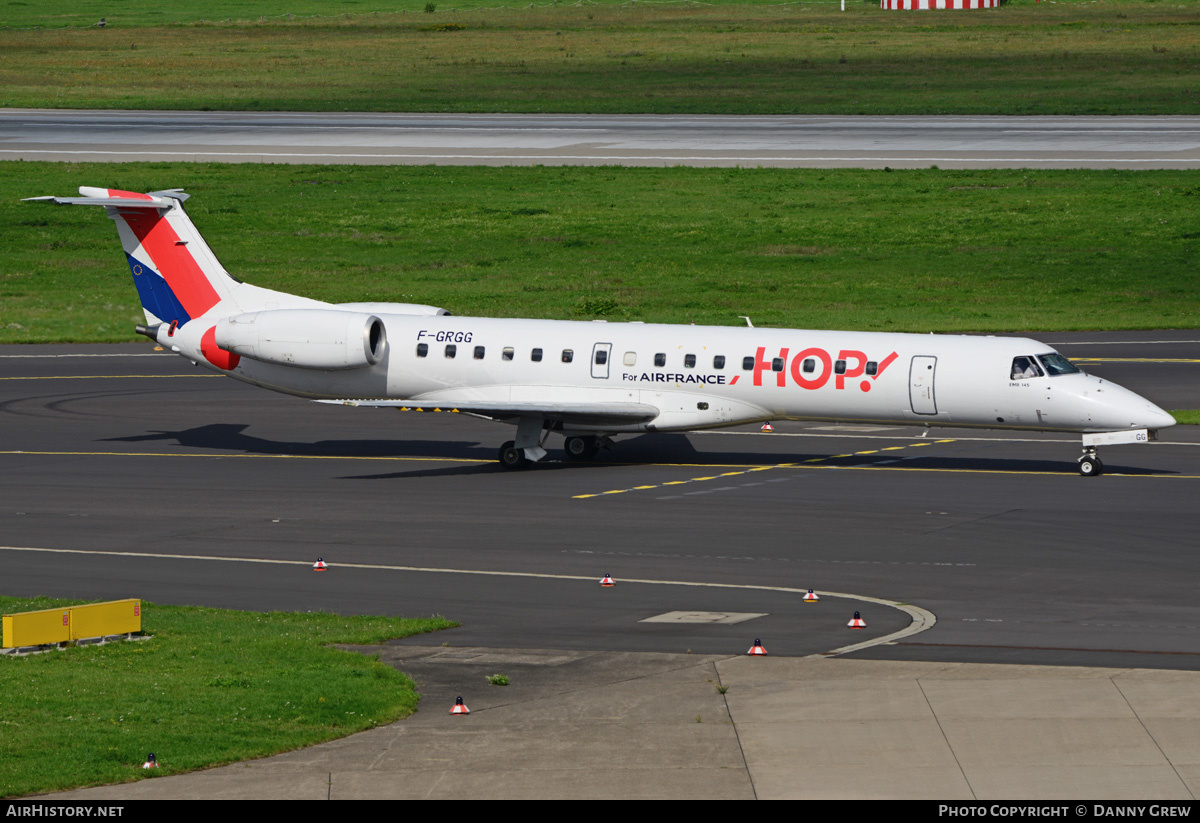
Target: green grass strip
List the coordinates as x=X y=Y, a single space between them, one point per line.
x=1132 y=57
x=1191 y=416
x=211 y=686
x=918 y=251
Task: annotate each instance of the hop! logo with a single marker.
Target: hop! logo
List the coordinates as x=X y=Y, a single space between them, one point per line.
x=811 y=368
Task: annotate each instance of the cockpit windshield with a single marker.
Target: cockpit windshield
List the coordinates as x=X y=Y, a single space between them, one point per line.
x=1024 y=368
x=1056 y=364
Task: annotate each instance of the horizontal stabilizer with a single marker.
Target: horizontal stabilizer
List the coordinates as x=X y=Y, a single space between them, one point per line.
x=120 y=202
x=591 y=413
x=92 y=196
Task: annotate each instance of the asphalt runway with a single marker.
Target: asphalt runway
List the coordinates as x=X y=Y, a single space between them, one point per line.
x=125 y=473
x=831 y=141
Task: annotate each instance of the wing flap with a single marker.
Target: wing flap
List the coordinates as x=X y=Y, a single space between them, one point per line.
x=593 y=413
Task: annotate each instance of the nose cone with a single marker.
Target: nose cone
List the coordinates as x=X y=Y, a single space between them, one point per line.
x=1162 y=419
x=1113 y=408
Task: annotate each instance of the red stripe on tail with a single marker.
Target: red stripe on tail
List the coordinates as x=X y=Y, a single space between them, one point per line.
x=174 y=262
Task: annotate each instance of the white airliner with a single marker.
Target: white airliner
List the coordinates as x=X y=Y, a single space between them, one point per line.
x=588 y=381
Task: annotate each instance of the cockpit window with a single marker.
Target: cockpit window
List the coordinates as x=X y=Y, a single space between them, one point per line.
x=1056 y=364
x=1025 y=367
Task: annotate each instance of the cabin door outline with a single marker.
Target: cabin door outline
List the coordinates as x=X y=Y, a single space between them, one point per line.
x=922 y=376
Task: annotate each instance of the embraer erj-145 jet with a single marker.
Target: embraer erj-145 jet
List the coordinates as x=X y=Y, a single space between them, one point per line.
x=588 y=381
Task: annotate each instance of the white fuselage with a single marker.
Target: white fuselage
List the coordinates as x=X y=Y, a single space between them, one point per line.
x=766 y=374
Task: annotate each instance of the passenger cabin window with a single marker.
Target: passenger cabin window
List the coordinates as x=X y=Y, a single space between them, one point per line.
x=660 y=359
x=719 y=361
x=839 y=367
x=1024 y=368
x=568 y=355
x=536 y=355
x=479 y=352
x=872 y=368
x=810 y=365
x=777 y=364
x=422 y=349
x=1056 y=364
x=601 y=357
x=507 y=354
x=747 y=364
x=451 y=350
x=630 y=358
x=689 y=361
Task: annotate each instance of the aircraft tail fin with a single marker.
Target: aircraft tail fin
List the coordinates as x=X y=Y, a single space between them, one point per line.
x=176 y=274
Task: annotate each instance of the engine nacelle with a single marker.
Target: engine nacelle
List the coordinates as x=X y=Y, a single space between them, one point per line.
x=323 y=339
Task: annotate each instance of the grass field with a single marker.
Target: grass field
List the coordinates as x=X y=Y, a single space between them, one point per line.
x=1115 y=57
x=914 y=250
x=211 y=686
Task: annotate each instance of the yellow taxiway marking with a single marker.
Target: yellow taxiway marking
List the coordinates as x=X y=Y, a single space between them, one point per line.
x=108 y=376
x=249 y=455
x=1134 y=360
x=992 y=471
x=747 y=470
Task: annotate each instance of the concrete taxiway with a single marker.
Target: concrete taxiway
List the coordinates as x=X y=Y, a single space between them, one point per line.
x=634 y=725
x=833 y=141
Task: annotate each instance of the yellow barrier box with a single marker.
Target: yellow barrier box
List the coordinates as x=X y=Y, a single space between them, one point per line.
x=36 y=628
x=100 y=619
x=72 y=623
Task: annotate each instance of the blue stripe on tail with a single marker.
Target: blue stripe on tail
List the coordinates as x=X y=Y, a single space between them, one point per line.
x=155 y=294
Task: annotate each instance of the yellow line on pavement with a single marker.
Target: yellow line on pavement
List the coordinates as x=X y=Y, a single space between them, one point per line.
x=108 y=376
x=246 y=455
x=748 y=470
x=1134 y=360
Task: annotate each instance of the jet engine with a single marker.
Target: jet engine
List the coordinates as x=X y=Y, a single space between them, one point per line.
x=307 y=338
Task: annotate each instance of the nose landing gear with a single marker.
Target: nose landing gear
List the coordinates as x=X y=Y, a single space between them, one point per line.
x=1089 y=464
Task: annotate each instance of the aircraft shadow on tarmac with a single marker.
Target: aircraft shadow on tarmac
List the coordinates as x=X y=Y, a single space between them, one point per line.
x=642 y=449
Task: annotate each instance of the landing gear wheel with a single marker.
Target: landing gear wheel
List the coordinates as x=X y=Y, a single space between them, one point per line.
x=512 y=458
x=580 y=448
x=1091 y=466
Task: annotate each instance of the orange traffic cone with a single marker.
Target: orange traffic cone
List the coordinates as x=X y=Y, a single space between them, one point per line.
x=320 y=566
x=151 y=762
x=459 y=708
x=608 y=581
x=757 y=648
x=857 y=622
x=811 y=597
x=767 y=428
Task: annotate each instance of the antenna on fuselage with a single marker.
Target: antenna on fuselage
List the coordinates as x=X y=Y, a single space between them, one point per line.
x=747 y=319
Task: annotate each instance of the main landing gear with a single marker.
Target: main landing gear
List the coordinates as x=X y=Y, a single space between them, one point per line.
x=1089 y=464
x=512 y=458
x=581 y=448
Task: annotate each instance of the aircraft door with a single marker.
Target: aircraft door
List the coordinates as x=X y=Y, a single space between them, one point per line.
x=601 y=353
x=920 y=384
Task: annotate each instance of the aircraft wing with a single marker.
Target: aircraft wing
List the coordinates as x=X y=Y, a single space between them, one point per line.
x=585 y=413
